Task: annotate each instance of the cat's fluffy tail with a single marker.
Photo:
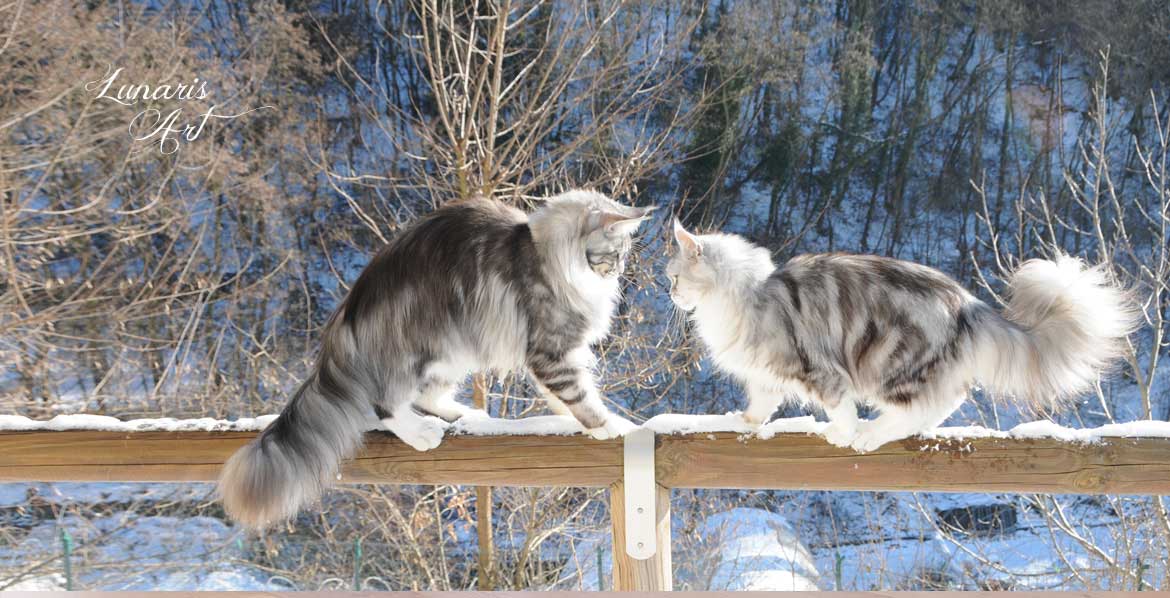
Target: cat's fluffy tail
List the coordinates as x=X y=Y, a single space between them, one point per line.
x=1063 y=325
x=293 y=460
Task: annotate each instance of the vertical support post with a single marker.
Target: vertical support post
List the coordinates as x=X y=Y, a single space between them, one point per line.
x=483 y=504
x=629 y=573
x=640 y=510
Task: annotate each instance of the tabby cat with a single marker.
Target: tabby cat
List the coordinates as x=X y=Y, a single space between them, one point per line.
x=841 y=330
x=473 y=286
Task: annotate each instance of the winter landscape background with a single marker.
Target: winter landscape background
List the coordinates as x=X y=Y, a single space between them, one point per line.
x=189 y=278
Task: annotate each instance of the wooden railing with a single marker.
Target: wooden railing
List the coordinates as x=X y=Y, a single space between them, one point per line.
x=719 y=460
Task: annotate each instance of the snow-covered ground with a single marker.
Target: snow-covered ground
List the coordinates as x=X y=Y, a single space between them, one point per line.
x=754 y=549
x=64 y=493
x=738 y=549
x=903 y=548
x=127 y=551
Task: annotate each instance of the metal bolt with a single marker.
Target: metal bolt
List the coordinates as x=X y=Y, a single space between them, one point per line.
x=640 y=544
x=640 y=509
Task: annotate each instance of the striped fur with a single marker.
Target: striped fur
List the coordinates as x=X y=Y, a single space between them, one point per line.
x=840 y=330
x=473 y=286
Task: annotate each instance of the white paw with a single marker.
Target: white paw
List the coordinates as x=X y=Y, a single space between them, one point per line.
x=447 y=410
x=423 y=434
x=839 y=435
x=615 y=426
x=474 y=414
x=752 y=421
x=867 y=441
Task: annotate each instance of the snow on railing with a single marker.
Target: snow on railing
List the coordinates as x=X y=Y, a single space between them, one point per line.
x=557 y=425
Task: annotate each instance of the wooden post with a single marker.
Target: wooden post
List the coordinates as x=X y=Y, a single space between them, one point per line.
x=630 y=574
x=483 y=504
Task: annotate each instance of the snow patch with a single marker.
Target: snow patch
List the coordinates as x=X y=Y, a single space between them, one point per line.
x=1047 y=429
x=130 y=552
x=792 y=425
x=86 y=493
x=758 y=550
x=54 y=582
x=541 y=425
x=678 y=423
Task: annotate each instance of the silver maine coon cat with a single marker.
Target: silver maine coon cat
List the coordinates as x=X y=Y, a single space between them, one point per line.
x=840 y=330
x=473 y=286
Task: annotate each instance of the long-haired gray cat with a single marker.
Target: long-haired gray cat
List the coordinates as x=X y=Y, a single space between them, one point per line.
x=840 y=330
x=473 y=286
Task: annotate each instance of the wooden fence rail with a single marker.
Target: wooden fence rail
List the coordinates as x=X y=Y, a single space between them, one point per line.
x=720 y=460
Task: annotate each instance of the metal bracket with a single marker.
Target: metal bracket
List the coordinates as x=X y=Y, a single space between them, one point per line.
x=640 y=495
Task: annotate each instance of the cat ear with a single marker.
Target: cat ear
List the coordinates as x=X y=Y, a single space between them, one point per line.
x=624 y=222
x=689 y=243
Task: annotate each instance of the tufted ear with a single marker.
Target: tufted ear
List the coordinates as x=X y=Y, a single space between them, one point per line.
x=624 y=222
x=688 y=243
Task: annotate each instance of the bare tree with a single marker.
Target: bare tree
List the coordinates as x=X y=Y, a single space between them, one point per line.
x=1129 y=234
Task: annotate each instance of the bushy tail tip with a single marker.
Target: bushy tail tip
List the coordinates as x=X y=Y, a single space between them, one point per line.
x=262 y=485
x=1066 y=324
x=290 y=464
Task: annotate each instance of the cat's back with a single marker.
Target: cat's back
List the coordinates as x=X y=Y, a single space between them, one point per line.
x=861 y=273
x=457 y=221
x=868 y=315
x=441 y=256
x=842 y=293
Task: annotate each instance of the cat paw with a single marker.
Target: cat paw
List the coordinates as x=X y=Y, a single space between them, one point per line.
x=867 y=441
x=474 y=414
x=839 y=436
x=615 y=426
x=423 y=435
x=748 y=418
x=449 y=411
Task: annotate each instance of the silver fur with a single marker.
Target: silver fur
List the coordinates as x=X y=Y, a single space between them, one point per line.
x=841 y=330
x=473 y=286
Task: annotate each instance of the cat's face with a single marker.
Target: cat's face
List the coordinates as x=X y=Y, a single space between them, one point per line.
x=691 y=275
x=609 y=237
